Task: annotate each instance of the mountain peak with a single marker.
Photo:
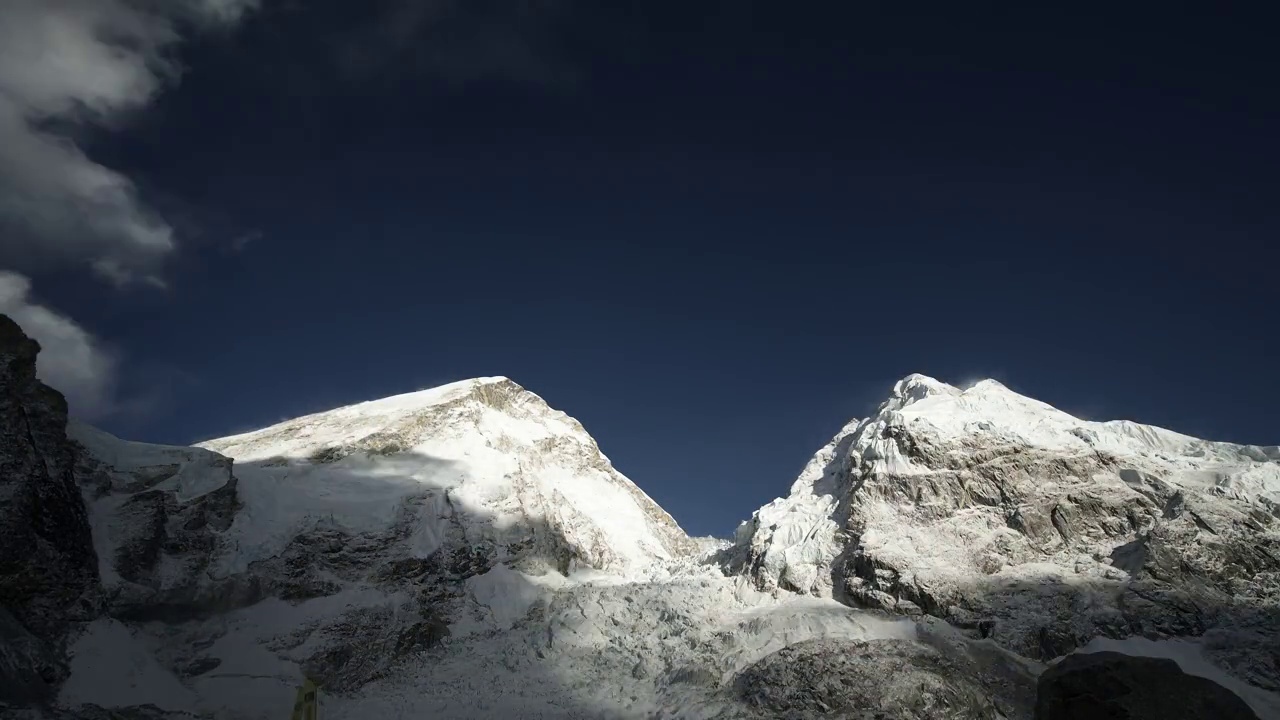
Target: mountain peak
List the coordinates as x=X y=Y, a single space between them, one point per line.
x=364 y=425
x=916 y=387
x=987 y=385
x=932 y=450
x=486 y=448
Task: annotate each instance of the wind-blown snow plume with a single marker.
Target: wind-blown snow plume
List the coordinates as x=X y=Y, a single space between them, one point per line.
x=64 y=65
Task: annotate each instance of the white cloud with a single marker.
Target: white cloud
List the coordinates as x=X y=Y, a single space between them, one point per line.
x=69 y=63
x=71 y=360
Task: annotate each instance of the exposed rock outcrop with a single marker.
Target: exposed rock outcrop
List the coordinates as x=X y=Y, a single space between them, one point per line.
x=158 y=512
x=48 y=568
x=864 y=679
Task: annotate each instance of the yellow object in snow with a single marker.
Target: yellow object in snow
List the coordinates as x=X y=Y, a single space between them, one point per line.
x=304 y=708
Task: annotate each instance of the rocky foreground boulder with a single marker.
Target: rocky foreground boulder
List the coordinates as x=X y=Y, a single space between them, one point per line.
x=1112 y=686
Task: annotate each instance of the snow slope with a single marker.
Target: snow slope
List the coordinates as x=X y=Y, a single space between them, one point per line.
x=601 y=647
x=342 y=542
x=484 y=447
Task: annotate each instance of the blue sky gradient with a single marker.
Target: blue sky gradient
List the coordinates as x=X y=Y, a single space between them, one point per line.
x=713 y=236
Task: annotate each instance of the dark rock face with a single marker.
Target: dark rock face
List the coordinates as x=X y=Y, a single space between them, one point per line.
x=1008 y=679
x=94 y=712
x=157 y=535
x=1191 y=559
x=897 y=679
x=1109 y=685
x=29 y=667
x=363 y=645
x=157 y=530
x=48 y=568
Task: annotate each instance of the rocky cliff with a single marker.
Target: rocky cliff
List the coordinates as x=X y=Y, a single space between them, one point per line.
x=48 y=568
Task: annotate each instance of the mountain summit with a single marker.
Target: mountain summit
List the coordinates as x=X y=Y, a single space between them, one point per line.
x=484 y=456
x=1001 y=513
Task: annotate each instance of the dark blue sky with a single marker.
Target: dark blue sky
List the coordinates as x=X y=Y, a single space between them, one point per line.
x=711 y=234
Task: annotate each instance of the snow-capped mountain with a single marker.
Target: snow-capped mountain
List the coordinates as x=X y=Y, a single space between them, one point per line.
x=998 y=512
x=484 y=457
x=348 y=539
x=468 y=551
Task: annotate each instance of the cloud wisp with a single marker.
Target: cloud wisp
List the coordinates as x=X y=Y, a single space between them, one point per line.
x=66 y=65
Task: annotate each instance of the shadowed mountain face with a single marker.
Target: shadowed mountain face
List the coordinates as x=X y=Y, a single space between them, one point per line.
x=403 y=522
x=48 y=570
x=467 y=551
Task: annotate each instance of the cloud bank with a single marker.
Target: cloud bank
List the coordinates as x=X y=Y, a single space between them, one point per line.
x=66 y=65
